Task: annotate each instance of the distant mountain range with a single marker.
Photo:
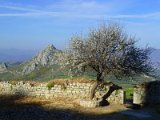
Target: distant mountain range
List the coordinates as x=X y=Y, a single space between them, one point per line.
x=155 y=57
x=16 y=55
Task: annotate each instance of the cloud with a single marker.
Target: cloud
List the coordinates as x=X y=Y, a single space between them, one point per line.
x=28 y=12
x=68 y=8
x=79 y=15
x=147 y=15
x=72 y=9
x=18 y=8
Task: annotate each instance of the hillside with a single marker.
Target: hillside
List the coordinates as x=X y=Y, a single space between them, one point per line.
x=3 y=67
x=155 y=57
x=44 y=58
x=42 y=66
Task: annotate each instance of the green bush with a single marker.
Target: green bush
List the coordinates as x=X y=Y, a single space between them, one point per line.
x=129 y=93
x=50 y=85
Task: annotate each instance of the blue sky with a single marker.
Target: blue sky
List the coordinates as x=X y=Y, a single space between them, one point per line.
x=33 y=24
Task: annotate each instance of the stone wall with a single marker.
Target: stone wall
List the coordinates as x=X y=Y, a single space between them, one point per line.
x=147 y=93
x=73 y=90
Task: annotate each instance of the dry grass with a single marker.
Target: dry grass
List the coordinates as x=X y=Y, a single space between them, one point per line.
x=55 y=81
x=32 y=83
x=73 y=80
x=59 y=81
x=64 y=82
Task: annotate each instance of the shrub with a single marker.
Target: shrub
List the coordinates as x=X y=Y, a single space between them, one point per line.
x=50 y=85
x=129 y=93
x=13 y=82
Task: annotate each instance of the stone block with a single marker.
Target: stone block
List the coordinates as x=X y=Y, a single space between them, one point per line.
x=90 y=103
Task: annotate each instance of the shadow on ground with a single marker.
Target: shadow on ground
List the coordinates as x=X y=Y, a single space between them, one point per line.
x=11 y=109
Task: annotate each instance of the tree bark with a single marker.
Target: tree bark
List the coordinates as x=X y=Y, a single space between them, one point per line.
x=100 y=79
x=111 y=89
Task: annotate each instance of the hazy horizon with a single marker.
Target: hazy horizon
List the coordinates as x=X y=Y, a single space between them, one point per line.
x=32 y=25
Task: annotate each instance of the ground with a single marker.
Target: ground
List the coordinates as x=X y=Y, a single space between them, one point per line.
x=34 y=108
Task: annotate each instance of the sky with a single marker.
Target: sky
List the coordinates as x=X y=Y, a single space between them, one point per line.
x=33 y=24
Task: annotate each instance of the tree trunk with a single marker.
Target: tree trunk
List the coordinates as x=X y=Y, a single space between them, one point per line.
x=108 y=93
x=100 y=79
x=111 y=89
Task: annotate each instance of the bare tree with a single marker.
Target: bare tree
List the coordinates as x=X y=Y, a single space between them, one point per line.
x=107 y=50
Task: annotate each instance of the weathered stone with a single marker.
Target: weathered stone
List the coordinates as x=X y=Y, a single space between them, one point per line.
x=74 y=90
x=147 y=93
x=90 y=103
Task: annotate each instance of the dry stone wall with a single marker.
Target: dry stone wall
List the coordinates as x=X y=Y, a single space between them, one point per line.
x=147 y=93
x=71 y=90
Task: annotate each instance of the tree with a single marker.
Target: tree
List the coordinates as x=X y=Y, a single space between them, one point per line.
x=107 y=50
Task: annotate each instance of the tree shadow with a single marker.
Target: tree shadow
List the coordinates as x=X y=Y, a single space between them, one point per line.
x=10 y=109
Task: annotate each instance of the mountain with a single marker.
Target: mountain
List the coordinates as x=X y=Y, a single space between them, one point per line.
x=15 y=55
x=44 y=58
x=155 y=57
x=42 y=66
x=3 y=67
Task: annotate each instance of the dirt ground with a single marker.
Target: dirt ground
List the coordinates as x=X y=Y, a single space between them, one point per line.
x=35 y=108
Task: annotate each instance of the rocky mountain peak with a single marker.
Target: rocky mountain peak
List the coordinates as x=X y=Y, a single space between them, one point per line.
x=51 y=47
x=48 y=49
x=43 y=58
x=3 y=67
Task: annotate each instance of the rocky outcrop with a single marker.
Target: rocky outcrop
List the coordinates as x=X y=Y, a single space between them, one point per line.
x=3 y=67
x=43 y=58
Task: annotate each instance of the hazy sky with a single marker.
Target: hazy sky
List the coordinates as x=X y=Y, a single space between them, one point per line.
x=33 y=24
